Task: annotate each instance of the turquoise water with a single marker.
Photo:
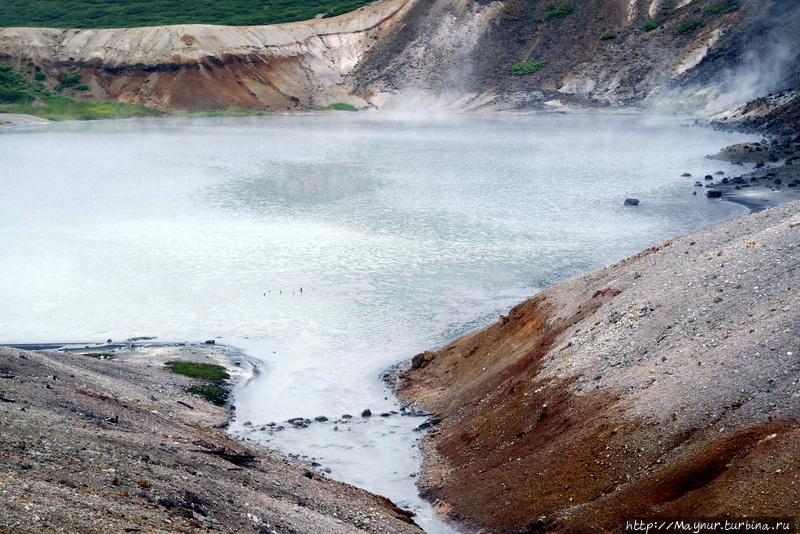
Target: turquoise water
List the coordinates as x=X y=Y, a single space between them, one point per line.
x=404 y=231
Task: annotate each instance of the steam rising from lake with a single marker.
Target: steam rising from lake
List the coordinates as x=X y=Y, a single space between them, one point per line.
x=403 y=232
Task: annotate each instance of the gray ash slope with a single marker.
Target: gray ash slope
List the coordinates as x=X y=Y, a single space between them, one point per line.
x=100 y=446
x=666 y=385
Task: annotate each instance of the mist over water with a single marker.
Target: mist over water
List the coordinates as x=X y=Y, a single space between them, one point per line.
x=403 y=231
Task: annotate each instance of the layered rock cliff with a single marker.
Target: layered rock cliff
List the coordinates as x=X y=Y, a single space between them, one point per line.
x=452 y=53
x=667 y=385
x=288 y=66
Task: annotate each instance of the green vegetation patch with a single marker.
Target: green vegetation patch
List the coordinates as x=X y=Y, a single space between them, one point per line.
x=690 y=26
x=14 y=88
x=608 y=35
x=559 y=11
x=721 y=8
x=650 y=26
x=527 y=67
x=341 y=106
x=55 y=107
x=19 y=93
x=71 y=80
x=213 y=393
x=138 y=13
x=205 y=371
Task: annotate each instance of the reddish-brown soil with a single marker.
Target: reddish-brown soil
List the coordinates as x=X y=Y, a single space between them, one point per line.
x=663 y=386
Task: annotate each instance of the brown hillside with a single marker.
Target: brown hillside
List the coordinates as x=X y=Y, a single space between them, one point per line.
x=665 y=385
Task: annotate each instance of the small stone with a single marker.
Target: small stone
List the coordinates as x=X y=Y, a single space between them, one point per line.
x=366 y=413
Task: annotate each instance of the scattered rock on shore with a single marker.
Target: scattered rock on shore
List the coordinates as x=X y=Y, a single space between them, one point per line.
x=98 y=446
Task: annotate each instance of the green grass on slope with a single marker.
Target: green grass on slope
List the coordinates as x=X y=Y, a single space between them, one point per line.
x=137 y=13
x=22 y=91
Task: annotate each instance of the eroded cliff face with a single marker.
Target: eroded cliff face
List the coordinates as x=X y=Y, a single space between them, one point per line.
x=448 y=53
x=665 y=385
x=287 y=66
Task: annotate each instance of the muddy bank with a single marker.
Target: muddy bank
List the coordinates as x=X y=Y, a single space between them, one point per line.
x=98 y=445
x=666 y=385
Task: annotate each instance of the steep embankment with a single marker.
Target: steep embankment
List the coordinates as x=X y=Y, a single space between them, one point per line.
x=97 y=446
x=286 y=66
x=668 y=54
x=667 y=384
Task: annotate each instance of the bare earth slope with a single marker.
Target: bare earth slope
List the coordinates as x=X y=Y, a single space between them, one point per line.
x=667 y=384
x=297 y=65
x=96 y=446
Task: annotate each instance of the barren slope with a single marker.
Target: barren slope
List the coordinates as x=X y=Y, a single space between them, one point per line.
x=97 y=446
x=667 y=384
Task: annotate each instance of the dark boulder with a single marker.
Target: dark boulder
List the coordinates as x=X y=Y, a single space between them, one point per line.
x=631 y=202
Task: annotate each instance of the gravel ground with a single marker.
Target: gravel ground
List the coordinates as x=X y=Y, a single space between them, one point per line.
x=102 y=446
x=666 y=385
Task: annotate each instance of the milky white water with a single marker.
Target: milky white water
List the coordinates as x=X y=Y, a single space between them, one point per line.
x=403 y=231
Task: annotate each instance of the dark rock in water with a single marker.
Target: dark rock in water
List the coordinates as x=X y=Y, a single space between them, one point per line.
x=686 y=174
x=708 y=177
x=386 y=414
x=428 y=424
x=421 y=359
x=724 y=180
x=210 y=341
x=347 y=416
x=320 y=419
x=366 y=413
x=296 y=421
x=719 y=173
x=777 y=181
x=713 y=194
x=793 y=183
x=631 y=202
x=698 y=184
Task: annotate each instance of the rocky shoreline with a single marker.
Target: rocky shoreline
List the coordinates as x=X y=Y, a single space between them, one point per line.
x=775 y=179
x=98 y=445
